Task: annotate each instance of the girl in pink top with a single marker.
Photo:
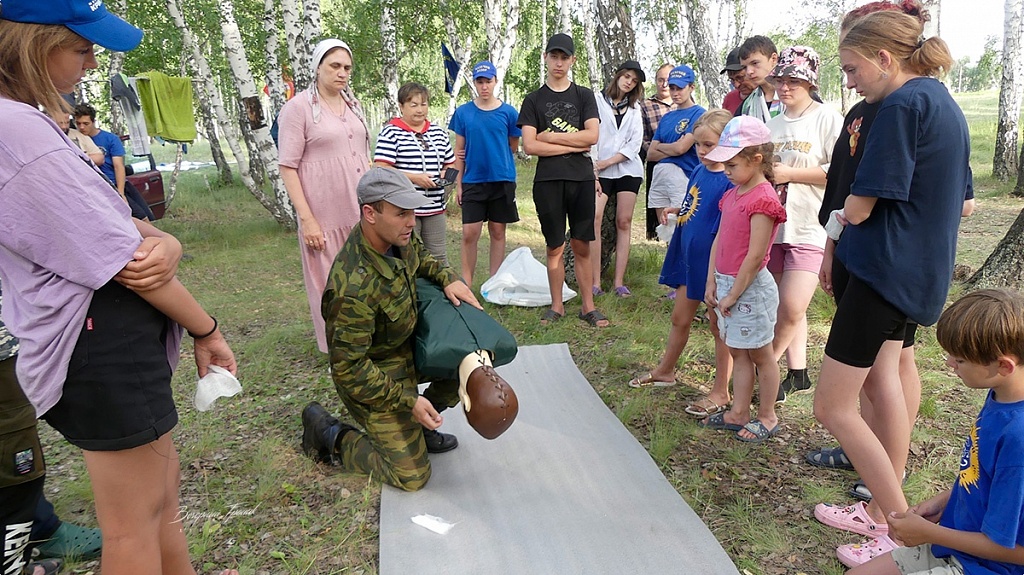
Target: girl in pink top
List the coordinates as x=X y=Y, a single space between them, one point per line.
x=740 y=289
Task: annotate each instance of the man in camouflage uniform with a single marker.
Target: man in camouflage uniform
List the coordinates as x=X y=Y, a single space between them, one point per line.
x=369 y=306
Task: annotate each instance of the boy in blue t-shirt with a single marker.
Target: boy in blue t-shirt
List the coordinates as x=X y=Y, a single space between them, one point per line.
x=978 y=525
x=486 y=140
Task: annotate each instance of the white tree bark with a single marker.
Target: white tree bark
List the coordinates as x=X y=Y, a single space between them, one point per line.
x=933 y=26
x=501 y=23
x=588 y=14
x=462 y=54
x=616 y=39
x=389 y=54
x=708 y=63
x=543 y=40
x=275 y=83
x=1004 y=161
x=263 y=145
x=292 y=20
x=312 y=25
x=564 y=17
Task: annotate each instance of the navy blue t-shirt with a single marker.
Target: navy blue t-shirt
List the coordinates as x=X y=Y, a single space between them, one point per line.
x=916 y=163
x=673 y=126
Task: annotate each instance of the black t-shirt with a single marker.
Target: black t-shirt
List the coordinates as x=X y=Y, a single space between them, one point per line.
x=565 y=112
x=846 y=155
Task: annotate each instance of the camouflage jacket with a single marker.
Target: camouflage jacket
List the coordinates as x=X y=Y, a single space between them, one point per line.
x=369 y=306
x=8 y=343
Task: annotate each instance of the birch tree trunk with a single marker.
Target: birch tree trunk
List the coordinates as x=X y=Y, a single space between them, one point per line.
x=389 y=54
x=275 y=81
x=594 y=59
x=564 y=17
x=1004 y=161
x=206 y=116
x=543 y=39
x=250 y=101
x=312 y=26
x=932 y=27
x=501 y=23
x=462 y=55
x=1005 y=266
x=708 y=62
x=616 y=39
x=291 y=18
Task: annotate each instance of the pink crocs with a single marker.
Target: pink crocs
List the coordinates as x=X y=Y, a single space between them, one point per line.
x=854 y=518
x=856 y=554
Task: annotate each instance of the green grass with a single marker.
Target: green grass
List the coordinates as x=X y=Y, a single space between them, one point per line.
x=253 y=501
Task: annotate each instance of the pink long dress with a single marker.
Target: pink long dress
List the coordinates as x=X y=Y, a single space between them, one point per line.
x=330 y=157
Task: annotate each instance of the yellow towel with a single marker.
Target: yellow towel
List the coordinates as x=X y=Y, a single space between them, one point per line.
x=167 y=106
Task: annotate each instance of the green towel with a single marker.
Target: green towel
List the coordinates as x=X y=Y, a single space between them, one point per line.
x=167 y=106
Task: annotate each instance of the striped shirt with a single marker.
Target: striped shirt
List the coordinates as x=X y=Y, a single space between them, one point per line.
x=427 y=151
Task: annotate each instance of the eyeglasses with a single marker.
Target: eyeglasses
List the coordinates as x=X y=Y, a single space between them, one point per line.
x=788 y=81
x=424 y=142
x=661 y=81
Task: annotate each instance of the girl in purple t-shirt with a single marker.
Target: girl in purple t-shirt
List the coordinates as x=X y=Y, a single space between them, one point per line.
x=740 y=289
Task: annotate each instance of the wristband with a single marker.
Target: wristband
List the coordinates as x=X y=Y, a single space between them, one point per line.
x=207 y=334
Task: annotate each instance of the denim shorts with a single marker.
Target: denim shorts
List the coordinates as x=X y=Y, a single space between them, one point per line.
x=751 y=321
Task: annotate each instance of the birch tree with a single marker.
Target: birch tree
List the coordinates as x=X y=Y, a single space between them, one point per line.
x=462 y=53
x=293 y=39
x=1004 y=161
x=564 y=17
x=275 y=82
x=932 y=26
x=1005 y=265
x=589 y=17
x=262 y=145
x=312 y=25
x=708 y=62
x=616 y=39
x=501 y=24
x=389 y=54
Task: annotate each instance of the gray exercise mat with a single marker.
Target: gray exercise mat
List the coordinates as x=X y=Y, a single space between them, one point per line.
x=567 y=489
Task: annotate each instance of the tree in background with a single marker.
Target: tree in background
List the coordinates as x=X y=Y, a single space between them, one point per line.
x=1004 y=160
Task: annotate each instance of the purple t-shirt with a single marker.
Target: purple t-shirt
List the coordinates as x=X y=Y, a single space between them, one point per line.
x=64 y=233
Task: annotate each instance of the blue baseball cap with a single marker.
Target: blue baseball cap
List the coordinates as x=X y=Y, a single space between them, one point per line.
x=681 y=76
x=484 y=69
x=90 y=19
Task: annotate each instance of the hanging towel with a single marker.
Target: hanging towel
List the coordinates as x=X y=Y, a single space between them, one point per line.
x=167 y=106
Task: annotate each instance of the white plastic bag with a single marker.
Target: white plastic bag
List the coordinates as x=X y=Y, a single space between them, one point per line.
x=522 y=281
x=665 y=231
x=217 y=383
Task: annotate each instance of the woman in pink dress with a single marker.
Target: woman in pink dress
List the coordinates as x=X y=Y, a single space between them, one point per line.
x=324 y=150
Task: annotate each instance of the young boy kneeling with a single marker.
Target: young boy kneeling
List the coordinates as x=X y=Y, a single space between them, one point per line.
x=978 y=525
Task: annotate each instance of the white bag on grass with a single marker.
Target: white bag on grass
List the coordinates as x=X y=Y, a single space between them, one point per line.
x=521 y=281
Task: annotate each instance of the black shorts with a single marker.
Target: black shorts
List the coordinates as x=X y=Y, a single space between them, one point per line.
x=863 y=322
x=840 y=279
x=624 y=184
x=489 y=202
x=557 y=199
x=117 y=394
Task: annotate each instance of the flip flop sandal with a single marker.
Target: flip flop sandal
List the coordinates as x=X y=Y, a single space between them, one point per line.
x=861 y=492
x=717 y=421
x=760 y=431
x=623 y=292
x=550 y=316
x=855 y=554
x=830 y=458
x=593 y=317
x=648 y=380
x=854 y=518
x=704 y=407
x=597 y=291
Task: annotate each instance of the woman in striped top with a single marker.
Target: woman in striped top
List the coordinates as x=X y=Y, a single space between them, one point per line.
x=422 y=151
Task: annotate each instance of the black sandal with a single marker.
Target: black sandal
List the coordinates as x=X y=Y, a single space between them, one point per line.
x=830 y=458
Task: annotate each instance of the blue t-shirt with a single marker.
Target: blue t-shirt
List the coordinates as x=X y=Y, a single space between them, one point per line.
x=675 y=125
x=988 y=494
x=916 y=163
x=686 y=261
x=111 y=146
x=488 y=155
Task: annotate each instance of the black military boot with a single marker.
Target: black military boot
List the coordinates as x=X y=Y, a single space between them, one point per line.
x=321 y=432
x=438 y=442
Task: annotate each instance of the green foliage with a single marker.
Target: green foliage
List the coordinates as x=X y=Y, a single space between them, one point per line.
x=983 y=75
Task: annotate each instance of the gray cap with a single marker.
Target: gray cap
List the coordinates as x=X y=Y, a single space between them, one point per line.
x=391 y=186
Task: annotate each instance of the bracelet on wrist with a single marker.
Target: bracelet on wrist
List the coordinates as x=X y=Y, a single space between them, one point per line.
x=207 y=334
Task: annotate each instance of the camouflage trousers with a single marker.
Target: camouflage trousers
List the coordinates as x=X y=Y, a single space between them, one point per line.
x=392 y=448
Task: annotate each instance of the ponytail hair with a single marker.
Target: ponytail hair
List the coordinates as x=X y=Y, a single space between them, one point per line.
x=767 y=152
x=901 y=36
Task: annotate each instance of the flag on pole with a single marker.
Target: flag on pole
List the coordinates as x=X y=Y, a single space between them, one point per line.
x=451 y=69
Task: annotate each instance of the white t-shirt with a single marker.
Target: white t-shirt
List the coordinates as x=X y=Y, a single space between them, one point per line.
x=802 y=143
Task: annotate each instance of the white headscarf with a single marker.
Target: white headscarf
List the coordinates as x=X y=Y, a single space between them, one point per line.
x=312 y=95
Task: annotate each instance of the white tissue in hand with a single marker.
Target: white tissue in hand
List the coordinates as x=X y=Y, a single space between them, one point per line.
x=218 y=382
x=433 y=523
x=834 y=228
x=665 y=231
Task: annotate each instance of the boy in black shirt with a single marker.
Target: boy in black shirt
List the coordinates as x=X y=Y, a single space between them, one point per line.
x=560 y=123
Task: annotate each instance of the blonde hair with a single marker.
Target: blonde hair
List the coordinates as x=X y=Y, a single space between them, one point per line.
x=984 y=325
x=24 y=54
x=901 y=36
x=767 y=152
x=714 y=119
